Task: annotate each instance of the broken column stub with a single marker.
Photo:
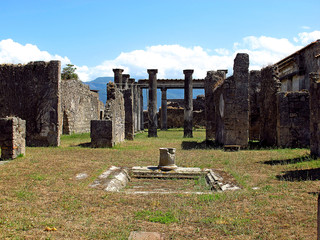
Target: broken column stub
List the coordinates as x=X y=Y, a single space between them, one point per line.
x=188 y=105
x=167 y=159
x=118 y=77
x=152 y=107
x=12 y=137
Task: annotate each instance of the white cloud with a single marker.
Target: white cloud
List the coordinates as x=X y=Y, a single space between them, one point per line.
x=171 y=60
x=306 y=38
x=305 y=27
x=13 y=52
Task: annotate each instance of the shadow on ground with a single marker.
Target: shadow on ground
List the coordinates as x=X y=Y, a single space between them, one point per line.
x=306 y=158
x=189 y=145
x=84 y=145
x=300 y=175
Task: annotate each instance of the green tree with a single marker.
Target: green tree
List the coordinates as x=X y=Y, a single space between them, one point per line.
x=68 y=72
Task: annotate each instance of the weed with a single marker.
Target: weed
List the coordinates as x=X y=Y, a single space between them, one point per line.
x=157 y=216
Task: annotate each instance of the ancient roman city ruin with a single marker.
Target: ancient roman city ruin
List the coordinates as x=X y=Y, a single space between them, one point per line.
x=278 y=105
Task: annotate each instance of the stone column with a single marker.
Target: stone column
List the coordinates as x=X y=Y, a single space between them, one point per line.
x=188 y=104
x=141 y=110
x=125 y=80
x=138 y=106
x=152 y=106
x=164 y=109
x=118 y=77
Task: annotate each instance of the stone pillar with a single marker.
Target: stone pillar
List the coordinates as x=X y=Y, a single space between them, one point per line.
x=315 y=114
x=125 y=80
x=138 y=107
x=118 y=77
x=164 y=109
x=188 y=104
x=141 y=110
x=12 y=137
x=152 y=106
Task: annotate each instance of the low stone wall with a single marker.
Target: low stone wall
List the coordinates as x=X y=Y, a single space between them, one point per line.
x=12 y=137
x=293 y=120
x=80 y=105
x=315 y=114
x=111 y=130
x=32 y=92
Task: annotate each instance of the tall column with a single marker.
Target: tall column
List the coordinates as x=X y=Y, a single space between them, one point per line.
x=188 y=104
x=152 y=106
x=118 y=77
x=125 y=80
x=141 y=110
x=136 y=107
x=164 y=109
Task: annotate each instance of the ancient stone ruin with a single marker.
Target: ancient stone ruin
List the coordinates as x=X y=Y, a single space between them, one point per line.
x=315 y=114
x=32 y=92
x=80 y=105
x=231 y=104
x=110 y=130
x=12 y=137
x=293 y=119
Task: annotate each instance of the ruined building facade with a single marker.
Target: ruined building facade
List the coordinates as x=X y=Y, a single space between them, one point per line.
x=79 y=105
x=32 y=93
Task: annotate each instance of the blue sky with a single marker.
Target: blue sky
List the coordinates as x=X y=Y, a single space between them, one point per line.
x=98 y=35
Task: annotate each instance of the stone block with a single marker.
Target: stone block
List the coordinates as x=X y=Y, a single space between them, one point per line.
x=12 y=137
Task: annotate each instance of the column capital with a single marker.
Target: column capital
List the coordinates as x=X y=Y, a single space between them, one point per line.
x=117 y=70
x=188 y=71
x=152 y=71
x=125 y=75
x=163 y=89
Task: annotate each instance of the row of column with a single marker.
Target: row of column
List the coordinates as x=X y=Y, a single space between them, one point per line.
x=123 y=81
x=152 y=106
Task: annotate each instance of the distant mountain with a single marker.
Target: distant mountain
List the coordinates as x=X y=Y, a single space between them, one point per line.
x=100 y=84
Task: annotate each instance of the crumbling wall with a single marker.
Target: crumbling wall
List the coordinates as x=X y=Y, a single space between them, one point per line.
x=12 y=137
x=32 y=92
x=80 y=105
x=270 y=86
x=254 y=114
x=111 y=130
x=175 y=112
x=212 y=81
x=231 y=104
x=315 y=114
x=293 y=119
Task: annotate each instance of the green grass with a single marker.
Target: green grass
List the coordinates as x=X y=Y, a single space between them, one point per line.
x=41 y=190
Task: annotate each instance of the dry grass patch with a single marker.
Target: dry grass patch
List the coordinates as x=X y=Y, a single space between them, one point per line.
x=40 y=190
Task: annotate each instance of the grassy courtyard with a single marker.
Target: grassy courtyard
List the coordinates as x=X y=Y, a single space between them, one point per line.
x=40 y=197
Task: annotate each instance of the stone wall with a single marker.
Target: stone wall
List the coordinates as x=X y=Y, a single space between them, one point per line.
x=293 y=119
x=111 y=130
x=254 y=114
x=315 y=114
x=212 y=81
x=231 y=103
x=80 y=105
x=12 y=137
x=270 y=86
x=32 y=92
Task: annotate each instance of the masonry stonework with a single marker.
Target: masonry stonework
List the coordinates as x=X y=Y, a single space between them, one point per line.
x=32 y=92
x=80 y=105
x=270 y=86
x=293 y=119
x=111 y=130
x=315 y=114
x=12 y=137
x=231 y=104
x=254 y=115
